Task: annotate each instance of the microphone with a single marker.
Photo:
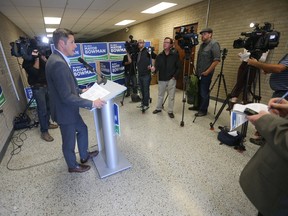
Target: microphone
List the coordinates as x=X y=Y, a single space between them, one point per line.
x=86 y=65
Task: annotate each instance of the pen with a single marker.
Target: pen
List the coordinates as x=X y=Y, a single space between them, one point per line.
x=279 y=100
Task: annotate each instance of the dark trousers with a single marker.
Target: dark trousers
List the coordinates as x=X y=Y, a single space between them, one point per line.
x=40 y=94
x=70 y=133
x=144 y=82
x=131 y=78
x=204 y=93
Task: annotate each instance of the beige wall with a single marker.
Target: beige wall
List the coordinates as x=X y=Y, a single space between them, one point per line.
x=12 y=107
x=228 y=18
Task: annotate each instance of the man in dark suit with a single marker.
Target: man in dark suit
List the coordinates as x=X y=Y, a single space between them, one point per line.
x=65 y=101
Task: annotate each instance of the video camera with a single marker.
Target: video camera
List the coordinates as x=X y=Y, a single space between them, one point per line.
x=186 y=39
x=23 y=47
x=260 y=40
x=131 y=46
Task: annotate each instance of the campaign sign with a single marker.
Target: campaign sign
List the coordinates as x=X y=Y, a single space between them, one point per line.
x=83 y=75
x=117 y=72
x=77 y=54
x=29 y=96
x=95 y=51
x=2 y=98
x=116 y=50
x=116 y=118
x=105 y=69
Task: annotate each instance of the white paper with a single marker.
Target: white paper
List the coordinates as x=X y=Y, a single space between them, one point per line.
x=95 y=92
x=238 y=117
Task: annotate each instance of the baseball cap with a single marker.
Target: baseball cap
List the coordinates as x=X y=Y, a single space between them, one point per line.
x=209 y=30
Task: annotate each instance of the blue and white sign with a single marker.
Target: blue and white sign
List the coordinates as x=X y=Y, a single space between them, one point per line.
x=116 y=119
x=82 y=75
x=117 y=50
x=105 y=69
x=117 y=72
x=95 y=51
x=2 y=98
x=29 y=96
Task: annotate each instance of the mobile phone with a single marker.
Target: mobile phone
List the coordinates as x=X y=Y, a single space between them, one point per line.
x=249 y=112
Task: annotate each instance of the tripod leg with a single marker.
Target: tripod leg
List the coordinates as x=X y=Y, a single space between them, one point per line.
x=217 y=95
x=164 y=100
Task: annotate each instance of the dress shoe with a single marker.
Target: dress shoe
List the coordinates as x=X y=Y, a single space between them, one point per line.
x=200 y=114
x=47 y=137
x=79 y=169
x=193 y=108
x=171 y=115
x=52 y=126
x=90 y=155
x=156 y=111
x=259 y=141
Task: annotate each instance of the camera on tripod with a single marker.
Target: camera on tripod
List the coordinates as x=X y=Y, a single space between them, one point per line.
x=186 y=39
x=260 y=40
x=131 y=46
x=23 y=47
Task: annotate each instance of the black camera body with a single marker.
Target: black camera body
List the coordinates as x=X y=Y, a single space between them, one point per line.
x=260 y=40
x=23 y=47
x=131 y=46
x=186 y=39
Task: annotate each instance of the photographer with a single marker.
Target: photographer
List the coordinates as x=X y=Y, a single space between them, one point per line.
x=168 y=66
x=264 y=179
x=130 y=76
x=208 y=58
x=144 y=62
x=35 y=69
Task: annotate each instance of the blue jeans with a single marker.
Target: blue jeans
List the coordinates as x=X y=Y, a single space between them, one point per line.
x=204 y=95
x=144 y=82
x=40 y=94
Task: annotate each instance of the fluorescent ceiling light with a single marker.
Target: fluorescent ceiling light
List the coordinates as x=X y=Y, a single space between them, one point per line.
x=50 y=29
x=45 y=40
x=125 y=22
x=52 y=20
x=159 y=7
x=49 y=35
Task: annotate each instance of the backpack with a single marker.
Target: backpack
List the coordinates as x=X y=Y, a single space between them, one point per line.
x=226 y=138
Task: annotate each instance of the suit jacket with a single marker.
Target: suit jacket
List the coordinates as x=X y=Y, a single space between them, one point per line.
x=63 y=90
x=265 y=178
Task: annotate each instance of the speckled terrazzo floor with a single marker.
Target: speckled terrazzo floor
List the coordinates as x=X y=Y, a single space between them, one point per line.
x=175 y=170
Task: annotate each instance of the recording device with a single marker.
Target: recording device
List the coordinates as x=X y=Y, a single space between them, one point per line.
x=260 y=40
x=249 y=112
x=23 y=47
x=187 y=39
x=90 y=68
x=131 y=46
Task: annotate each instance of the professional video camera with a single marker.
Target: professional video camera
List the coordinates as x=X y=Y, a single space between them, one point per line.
x=260 y=40
x=23 y=47
x=131 y=46
x=186 y=40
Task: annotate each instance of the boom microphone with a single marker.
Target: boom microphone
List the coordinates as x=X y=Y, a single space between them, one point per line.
x=86 y=65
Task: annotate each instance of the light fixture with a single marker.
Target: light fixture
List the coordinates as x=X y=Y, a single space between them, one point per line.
x=45 y=40
x=52 y=20
x=159 y=7
x=49 y=35
x=125 y=22
x=50 y=30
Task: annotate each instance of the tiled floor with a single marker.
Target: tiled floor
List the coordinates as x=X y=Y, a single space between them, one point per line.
x=175 y=170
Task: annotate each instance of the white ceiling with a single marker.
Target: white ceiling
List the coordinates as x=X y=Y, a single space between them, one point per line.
x=89 y=19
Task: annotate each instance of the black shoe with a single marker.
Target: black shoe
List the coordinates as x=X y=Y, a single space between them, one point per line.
x=171 y=115
x=193 y=108
x=258 y=142
x=127 y=95
x=90 y=155
x=144 y=108
x=79 y=169
x=200 y=114
x=156 y=111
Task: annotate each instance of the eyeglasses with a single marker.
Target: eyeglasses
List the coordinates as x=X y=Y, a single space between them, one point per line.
x=166 y=42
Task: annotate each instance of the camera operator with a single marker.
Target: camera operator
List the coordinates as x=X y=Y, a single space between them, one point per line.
x=130 y=76
x=168 y=66
x=208 y=58
x=144 y=62
x=35 y=69
x=264 y=178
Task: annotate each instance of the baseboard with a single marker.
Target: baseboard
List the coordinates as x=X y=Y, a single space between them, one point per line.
x=4 y=149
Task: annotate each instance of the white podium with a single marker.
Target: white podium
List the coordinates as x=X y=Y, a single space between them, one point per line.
x=109 y=160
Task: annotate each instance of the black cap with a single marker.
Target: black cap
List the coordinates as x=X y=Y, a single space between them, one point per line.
x=209 y=30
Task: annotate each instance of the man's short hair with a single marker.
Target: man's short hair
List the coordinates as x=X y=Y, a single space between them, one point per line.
x=61 y=34
x=168 y=38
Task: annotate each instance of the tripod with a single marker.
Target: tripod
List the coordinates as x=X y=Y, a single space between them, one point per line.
x=220 y=76
x=185 y=80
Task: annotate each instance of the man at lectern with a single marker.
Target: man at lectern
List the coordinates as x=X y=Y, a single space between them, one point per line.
x=65 y=101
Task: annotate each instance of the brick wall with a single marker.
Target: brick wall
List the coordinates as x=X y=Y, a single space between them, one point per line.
x=13 y=106
x=228 y=19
